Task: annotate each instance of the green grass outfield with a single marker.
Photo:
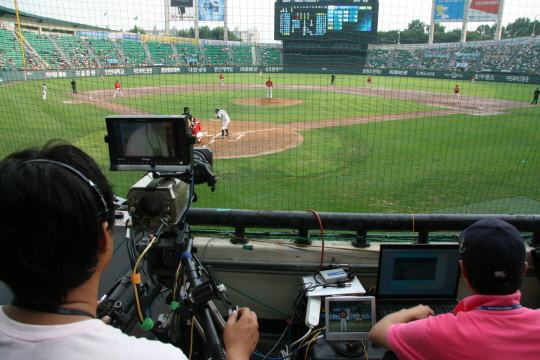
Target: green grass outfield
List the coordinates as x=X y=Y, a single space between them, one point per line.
x=454 y=163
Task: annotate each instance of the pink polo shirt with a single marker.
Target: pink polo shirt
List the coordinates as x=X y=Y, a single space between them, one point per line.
x=504 y=331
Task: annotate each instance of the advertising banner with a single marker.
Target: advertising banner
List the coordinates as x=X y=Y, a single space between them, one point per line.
x=448 y=10
x=92 y=33
x=477 y=10
x=131 y=36
x=211 y=10
x=483 y=10
x=182 y=17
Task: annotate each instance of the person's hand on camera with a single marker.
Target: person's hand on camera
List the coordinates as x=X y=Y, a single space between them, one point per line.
x=106 y=319
x=241 y=334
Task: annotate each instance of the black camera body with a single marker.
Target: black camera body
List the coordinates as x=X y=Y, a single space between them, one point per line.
x=163 y=146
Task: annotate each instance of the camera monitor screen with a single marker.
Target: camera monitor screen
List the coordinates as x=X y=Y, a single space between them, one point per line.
x=149 y=143
x=349 y=318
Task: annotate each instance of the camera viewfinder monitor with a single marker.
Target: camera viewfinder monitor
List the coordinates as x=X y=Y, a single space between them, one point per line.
x=349 y=318
x=149 y=143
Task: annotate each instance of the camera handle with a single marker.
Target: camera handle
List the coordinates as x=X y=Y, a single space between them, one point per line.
x=200 y=299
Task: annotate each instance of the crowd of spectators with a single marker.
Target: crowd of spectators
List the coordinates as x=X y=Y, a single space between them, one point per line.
x=495 y=57
x=62 y=51
x=162 y=53
x=435 y=58
x=528 y=59
x=407 y=59
x=77 y=51
x=134 y=52
x=242 y=54
x=378 y=58
x=217 y=55
x=270 y=55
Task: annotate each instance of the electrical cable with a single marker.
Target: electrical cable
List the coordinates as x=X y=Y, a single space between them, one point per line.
x=279 y=358
x=277 y=343
x=310 y=342
x=136 y=278
x=365 y=349
x=191 y=337
x=303 y=337
x=252 y=299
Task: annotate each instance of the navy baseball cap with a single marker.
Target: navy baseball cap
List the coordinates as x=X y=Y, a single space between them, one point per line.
x=493 y=249
x=217 y=109
x=186 y=109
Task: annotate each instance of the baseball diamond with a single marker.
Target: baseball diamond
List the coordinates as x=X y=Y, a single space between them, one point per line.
x=267 y=138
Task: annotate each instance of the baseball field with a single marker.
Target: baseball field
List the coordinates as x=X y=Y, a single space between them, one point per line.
x=404 y=145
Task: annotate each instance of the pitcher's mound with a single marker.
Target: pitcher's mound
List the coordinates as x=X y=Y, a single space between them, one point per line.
x=267 y=102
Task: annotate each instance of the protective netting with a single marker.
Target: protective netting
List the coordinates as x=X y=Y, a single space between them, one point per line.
x=362 y=118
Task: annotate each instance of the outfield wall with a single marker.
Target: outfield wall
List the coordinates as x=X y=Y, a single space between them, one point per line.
x=501 y=77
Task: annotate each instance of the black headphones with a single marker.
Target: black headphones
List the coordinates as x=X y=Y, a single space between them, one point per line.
x=79 y=174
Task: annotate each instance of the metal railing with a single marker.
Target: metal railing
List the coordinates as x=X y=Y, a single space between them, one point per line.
x=303 y=222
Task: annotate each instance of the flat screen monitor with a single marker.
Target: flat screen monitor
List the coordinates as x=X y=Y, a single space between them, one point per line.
x=349 y=318
x=149 y=143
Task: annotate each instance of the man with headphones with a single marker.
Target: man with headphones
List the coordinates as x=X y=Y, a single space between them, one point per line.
x=489 y=324
x=57 y=226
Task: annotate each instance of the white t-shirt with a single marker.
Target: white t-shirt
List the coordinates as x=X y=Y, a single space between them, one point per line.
x=222 y=114
x=85 y=340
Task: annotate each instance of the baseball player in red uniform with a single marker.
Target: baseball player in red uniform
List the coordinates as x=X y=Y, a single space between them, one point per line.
x=343 y=316
x=269 y=87
x=222 y=80
x=456 y=95
x=225 y=120
x=196 y=128
x=118 y=88
x=368 y=84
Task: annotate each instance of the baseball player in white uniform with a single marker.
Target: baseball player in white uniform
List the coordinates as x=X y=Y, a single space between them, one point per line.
x=225 y=120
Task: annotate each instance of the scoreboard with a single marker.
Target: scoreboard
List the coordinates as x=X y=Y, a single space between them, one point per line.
x=327 y=20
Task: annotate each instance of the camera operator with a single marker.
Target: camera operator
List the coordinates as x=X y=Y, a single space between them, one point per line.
x=57 y=226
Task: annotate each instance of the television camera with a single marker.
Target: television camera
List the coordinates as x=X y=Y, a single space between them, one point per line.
x=156 y=234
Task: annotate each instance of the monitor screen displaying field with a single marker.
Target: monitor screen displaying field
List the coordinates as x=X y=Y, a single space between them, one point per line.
x=349 y=317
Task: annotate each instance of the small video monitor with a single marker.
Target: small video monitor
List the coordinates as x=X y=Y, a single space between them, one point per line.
x=349 y=318
x=149 y=143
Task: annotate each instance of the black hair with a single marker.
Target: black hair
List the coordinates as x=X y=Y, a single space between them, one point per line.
x=486 y=286
x=51 y=221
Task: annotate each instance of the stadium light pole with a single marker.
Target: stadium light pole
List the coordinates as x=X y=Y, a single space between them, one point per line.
x=21 y=44
x=498 y=28
x=432 y=22
x=167 y=19
x=225 y=28
x=465 y=21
